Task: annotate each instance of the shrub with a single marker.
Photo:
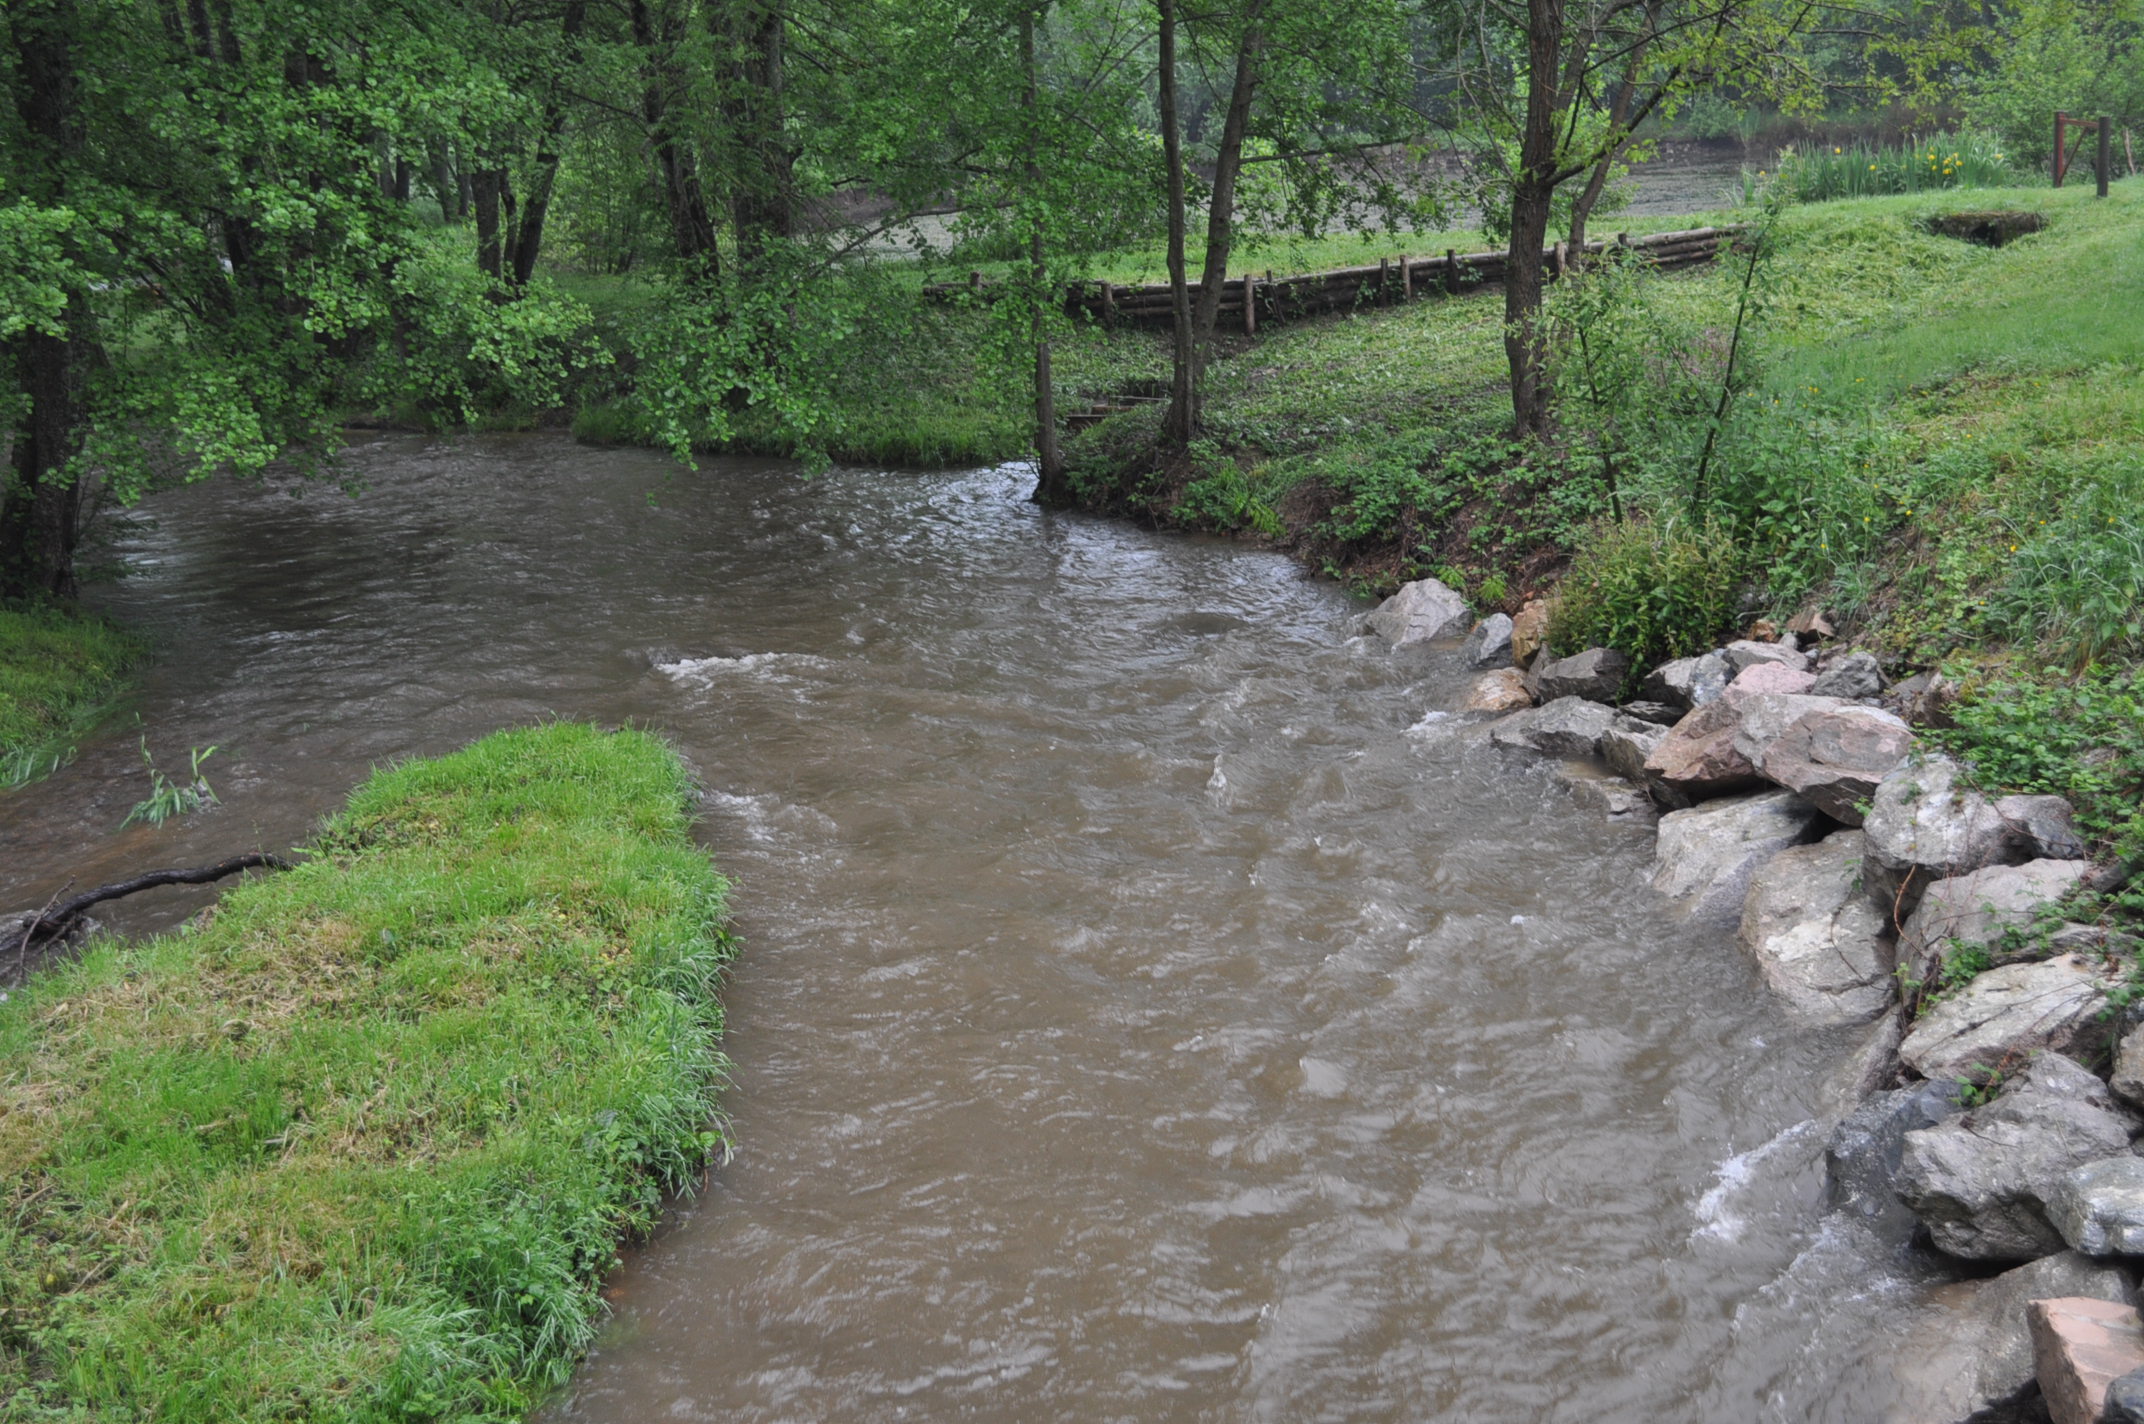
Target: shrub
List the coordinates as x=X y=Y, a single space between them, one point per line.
x=1960 y=160
x=1651 y=591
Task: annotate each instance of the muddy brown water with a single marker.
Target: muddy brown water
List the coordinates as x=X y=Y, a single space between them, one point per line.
x=1152 y=1006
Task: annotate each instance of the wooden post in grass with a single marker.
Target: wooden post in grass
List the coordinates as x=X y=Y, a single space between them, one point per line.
x=2106 y=152
x=1250 y=305
x=1109 y=304
x=1451 y=271
x=1406 y=280
x=975 y=281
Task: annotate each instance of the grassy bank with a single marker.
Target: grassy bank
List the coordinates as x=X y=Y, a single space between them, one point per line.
x=59 y=671
x=360 y=1147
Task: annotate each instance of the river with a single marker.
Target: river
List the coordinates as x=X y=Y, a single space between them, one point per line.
x=1151 y=1006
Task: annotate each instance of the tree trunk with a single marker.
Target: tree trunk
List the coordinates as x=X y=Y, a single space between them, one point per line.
x=449 y=192
x=1221 y=211
x=1051 y=486
x=41 y=492
x=1525 y=349
x=485 y=185
x=528 y=237
x=691 y=226
x=760 y=194
x=1182 y=420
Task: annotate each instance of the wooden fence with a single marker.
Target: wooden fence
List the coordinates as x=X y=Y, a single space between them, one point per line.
x=1248 y=300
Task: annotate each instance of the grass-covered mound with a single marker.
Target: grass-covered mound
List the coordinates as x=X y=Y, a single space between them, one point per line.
x=360 y=1147
x=58 y=670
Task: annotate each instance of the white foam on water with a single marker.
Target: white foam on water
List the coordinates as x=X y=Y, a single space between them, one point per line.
x=702 y=672
x=1716 y=1218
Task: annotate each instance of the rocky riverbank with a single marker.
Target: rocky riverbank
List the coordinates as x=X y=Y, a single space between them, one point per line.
x=2000 y=1077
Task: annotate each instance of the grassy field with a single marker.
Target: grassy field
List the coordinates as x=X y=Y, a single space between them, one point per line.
x=59 y=671
x=361 y=1146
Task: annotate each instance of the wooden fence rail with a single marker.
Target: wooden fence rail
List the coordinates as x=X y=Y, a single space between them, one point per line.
x=1252 y=299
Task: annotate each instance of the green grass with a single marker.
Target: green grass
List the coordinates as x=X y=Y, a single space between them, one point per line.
x=361 y=1146
x=59 y=671
x=1818 y=172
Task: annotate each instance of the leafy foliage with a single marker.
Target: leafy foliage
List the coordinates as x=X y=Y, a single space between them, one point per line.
x=1650 y=590
x=2082 y=739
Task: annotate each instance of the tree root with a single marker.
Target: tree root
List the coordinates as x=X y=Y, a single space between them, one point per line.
x=57 y=921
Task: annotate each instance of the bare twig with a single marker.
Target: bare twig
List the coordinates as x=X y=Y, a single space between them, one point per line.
x=53 y=923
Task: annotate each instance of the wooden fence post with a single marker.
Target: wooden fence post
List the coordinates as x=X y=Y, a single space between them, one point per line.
x=1451 y=271
x=2106 y=152
x=1109 y=304
x=1250 y=305
x=1406 y=280
x=2062 y=121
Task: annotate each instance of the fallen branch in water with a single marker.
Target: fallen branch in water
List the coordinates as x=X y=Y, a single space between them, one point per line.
x=56 y=921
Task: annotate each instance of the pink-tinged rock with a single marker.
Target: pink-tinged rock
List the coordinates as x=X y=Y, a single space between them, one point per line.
x=2080 y=1346
x=1501 y=691
x=1527 y=630
x=1835 y=758
x=1697 y=758
x=1770 y=677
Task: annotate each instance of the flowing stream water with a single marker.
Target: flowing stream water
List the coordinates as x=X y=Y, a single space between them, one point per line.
x=1153 y=1006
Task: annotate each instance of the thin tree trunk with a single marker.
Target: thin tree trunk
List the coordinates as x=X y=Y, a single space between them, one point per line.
x=1182 y=420
x=760 y=195
x=691 y=226
x=443 y=184
x=528 y=237
x=1525 y=348
x=1221 y=211
x=41 y=492
x=486 y=183
x=1051 y=486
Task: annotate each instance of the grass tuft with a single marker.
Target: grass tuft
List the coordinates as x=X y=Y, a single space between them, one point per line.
x=361 y=1146
x=60 y=671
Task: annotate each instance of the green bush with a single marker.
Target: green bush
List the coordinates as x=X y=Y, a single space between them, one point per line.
x=1652 y=591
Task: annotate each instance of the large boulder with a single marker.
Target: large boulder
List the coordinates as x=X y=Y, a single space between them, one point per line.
x=1421 y=612
x=1925 y=824
x=1770 y=677
x=1626 y=745
x=1969 y=1358
x=1489 y=645
x=1766 y=716
x=1862 y=1158
x=1567 y=727
x=2011 y=1011
x=1818 y=940
x=2080 y=1347
x=1749 y=652
x=1697 y=758
x=1528 y=629
x=1611 y=796
x=2099 y=1207
x=1980 y=1182
x=1856 y=675
x=1688 y=683
x=1835 y=756
x=2040 y=827
x=1596 y=674
x=1503 y=690
x=1707 y=855
x=1975 y=909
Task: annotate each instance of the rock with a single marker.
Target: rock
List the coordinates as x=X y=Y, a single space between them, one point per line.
x=1503 y=690
x=2009 y=1012
x=1567 y=727
x=1596 y=674
x=1626 y=745
x=1610 y=795
x=1421 y=612
x=1688 y=683
x=1973 y=1350
x=1924 y=700
x=1660 y=714
x=1765 y=716
x=1809 y=625
x=2127 y=1080
x=1769 y=677
x=1489 y=645
x=1528 y=629
x=1975 y=909
x=1857 y=675
x=1749 y=652
x=1925 y=824
x=1708 y=854
x=2040 y=827
x=2099 y=1207
x=1861 y=1160
x=2080 y=1347
x=1834 y=758
x=1814 y=934
x=1697 y=758
x=1979 y=1181
x=2125 y=1400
